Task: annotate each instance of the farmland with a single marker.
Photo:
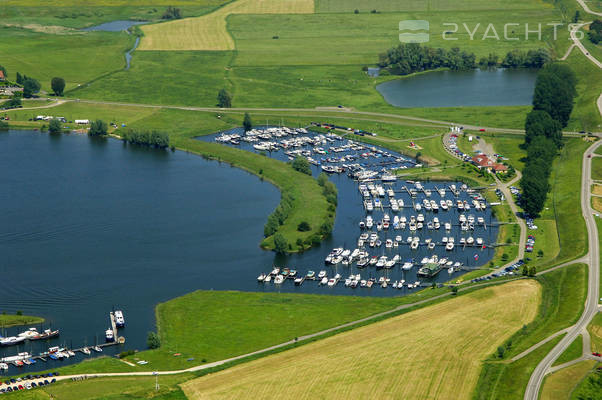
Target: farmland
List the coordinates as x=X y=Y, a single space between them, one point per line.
x=406 y=355
x=209 y=32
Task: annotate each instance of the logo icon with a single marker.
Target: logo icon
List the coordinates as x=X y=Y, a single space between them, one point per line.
x=414 y=25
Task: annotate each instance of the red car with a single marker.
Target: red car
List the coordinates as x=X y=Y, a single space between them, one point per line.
x=481 y=130
x=596 y=354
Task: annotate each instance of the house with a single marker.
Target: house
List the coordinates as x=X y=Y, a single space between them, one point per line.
x=481 y=161
x=2 y=77
x=500 y=169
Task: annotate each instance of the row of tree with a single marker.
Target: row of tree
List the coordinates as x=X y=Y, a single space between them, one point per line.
x=552 y=104
x=155 y=139
x=407 y=58
x=31 y=86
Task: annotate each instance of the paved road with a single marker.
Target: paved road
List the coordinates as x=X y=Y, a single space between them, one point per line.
x=578 y=43
x=587 y=9
x=591 y=304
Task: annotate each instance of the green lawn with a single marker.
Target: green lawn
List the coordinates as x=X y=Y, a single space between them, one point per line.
x=574 y=351
x=590 y=387
x=585 y=114
x=78 y=58
x=17 y=320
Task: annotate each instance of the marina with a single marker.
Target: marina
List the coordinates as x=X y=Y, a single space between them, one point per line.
x=109 y=254
x=404 y=229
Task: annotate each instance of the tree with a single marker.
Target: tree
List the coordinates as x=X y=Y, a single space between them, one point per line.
x=454 y=290
x=576 y=17
x=19 y=79
x=98 y=128
x=247 y=123
x=153 y=341
x=224 y=99
x=280 y=243
x=525 y=271
x=30 y=87
x=322 y=179
x=172 y=13
x=303 y=226
x=15 y=101
x=55 y=126
x=271 y=226
x=532 y=271
x=500 y=351
x=540 y=123
x=302 y=165
x=58 y=86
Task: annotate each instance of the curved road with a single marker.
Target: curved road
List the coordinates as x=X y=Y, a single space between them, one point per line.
x=591 y=304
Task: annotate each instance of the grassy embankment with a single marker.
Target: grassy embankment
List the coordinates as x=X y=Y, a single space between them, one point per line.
x=563 y=297
x=561 y=384
x=18 y=320
x=395 y=356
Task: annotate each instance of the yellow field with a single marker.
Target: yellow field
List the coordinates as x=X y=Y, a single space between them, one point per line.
x=209 y=32
x=434 y=352
x=597 y=189
x=597 y=203
x=560 y=384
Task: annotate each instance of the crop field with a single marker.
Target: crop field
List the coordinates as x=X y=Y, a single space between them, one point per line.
x=560 y=384
x=78 y=58
x=209 y=32
x=433 y=352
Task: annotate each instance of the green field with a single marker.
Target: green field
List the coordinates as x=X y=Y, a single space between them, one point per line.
x=83 y=13
x=78 y=58
x=323 y=6
x=17 y=320
x=597 y=168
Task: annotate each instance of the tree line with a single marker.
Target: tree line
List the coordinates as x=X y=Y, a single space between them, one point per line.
x=159 y=140
x=552 y=105
x=407 y=58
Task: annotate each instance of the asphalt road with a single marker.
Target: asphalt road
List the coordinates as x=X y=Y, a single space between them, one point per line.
x=591 y=304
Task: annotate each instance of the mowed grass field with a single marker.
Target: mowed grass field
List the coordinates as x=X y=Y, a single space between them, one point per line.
x=209 y=32
x=434 y=352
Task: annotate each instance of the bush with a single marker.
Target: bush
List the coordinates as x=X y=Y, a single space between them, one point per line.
x=3 y=126
x=55 y=126
x=280 y=243
x=153 y=341
x=302 y=165
x=155 y=139
x=98 y=128
x=126 y=353
x=303 y=226
x=58 y=86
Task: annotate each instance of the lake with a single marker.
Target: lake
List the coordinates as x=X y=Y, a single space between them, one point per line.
x=496 y=87
x=90 y=224
x=114 y=26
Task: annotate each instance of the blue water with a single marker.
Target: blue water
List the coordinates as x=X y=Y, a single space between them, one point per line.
x=495 y=87
x=114 y=26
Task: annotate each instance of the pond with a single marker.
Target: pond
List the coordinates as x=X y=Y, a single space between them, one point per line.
x=495 y=87
x=114 y=26
x=88 y=225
